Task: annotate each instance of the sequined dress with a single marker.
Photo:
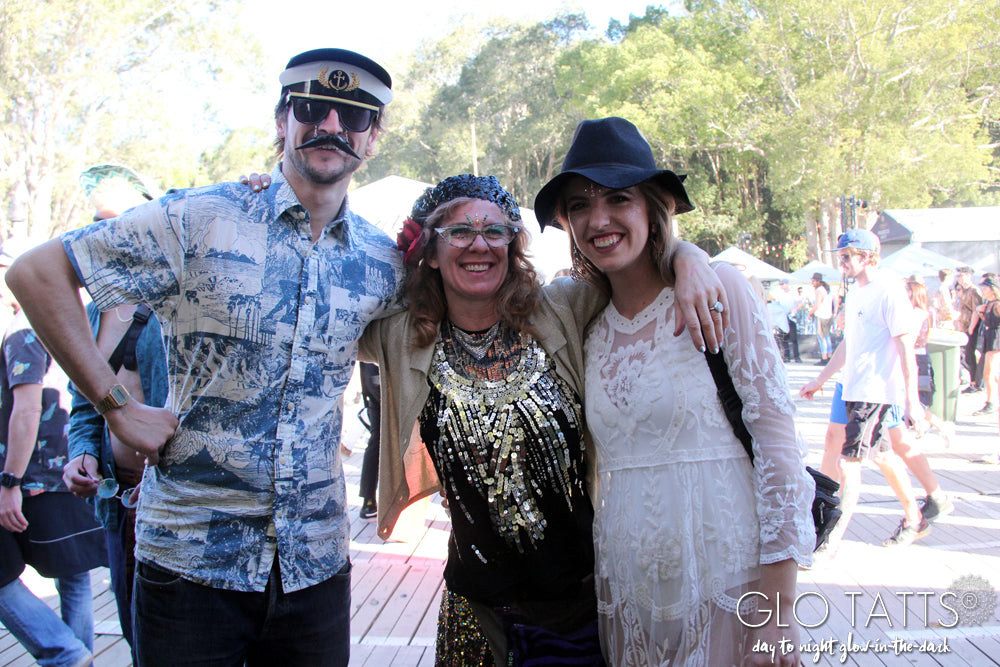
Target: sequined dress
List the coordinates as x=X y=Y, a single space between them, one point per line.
x=683 y=522
x=504 y=433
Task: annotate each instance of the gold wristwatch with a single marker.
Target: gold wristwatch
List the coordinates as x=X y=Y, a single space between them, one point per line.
x=117 y=397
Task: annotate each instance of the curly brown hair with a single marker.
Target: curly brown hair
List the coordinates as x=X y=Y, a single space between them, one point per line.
x=516 y=299
x=661 y=206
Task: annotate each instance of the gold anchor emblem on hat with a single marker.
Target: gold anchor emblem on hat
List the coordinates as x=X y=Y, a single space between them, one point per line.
x=338 y=79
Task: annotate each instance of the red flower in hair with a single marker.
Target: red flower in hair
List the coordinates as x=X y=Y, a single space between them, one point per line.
x=408 y=240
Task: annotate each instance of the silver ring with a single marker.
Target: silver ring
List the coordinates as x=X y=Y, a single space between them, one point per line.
x=717 y=307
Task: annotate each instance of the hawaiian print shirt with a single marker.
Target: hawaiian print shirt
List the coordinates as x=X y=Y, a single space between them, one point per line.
x=261 y=328
x=25 y=361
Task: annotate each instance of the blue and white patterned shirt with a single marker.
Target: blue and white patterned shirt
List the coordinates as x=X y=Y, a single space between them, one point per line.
x=261 y=328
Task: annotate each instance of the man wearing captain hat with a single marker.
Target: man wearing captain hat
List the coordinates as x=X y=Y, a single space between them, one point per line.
x=242 y=533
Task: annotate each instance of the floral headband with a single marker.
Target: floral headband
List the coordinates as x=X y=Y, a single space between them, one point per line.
x=487 y=188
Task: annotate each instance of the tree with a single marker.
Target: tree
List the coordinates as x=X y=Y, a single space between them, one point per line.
x=93 y=82
x=497 y=111
x=692 y=98
x=775 y=106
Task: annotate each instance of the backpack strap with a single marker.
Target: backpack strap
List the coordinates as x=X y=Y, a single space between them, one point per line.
x=124 y=354
x=732 y=404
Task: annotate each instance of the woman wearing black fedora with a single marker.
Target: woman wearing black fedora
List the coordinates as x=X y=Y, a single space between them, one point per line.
x=695 y=548
x=482 y=377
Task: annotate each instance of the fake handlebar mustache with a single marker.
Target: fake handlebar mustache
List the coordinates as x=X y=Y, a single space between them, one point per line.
x=329 y=140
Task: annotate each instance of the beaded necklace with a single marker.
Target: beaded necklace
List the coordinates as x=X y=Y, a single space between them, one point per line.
x=477 y=343
x=498 y=433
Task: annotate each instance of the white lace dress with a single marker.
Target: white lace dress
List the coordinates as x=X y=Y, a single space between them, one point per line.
x=683 y=522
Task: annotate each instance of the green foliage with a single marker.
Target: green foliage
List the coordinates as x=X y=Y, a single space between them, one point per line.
x=497 y=113
x=773 y=105
x=83 y=83
x=871 y=98
x=769 y=106
x=240 y=153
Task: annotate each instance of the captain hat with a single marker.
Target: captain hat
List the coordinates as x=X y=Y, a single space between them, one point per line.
x=337 y=75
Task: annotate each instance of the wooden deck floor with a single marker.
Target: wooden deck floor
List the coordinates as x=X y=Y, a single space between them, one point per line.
x=869 y=598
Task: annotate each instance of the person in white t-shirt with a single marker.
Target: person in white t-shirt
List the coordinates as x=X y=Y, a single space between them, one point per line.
x=790 y=302
x=822 y=310
x=880 y=391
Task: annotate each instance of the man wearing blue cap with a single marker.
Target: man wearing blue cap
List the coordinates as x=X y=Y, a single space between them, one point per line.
x=880 y=390
x=242 y=533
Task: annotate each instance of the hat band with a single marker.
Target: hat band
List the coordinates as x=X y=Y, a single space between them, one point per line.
x=353 y=103
x=323 y=72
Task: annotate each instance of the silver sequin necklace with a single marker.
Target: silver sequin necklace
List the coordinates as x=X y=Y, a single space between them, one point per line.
x=476 y=343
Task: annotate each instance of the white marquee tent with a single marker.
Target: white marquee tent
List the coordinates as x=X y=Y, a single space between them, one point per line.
x=750 y=265
x=805 y=274
x=921 y=261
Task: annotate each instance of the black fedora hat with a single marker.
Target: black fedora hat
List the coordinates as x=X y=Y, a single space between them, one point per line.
x=613 y=153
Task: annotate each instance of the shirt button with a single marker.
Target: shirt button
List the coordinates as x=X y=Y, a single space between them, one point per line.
x=289 y=406
x=309 y=300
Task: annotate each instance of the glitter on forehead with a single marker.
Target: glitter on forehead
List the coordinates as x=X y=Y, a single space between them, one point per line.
x=473 y=220
x=594 y=190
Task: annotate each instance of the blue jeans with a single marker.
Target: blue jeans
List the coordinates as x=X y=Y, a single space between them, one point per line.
x=52 y=641
x=178 y=622
x=121 y=575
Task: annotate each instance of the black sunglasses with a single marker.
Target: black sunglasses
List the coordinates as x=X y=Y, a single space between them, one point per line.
x=313 y=112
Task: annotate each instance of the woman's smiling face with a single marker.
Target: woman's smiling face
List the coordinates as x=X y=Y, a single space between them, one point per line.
x=611 y=227
x=472 y=274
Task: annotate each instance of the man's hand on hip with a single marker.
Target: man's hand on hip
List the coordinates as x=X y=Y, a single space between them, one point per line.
x=143 y=428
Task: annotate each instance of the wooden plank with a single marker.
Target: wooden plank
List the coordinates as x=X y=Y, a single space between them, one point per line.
x=10 y=653
x=401 y=614
x=381 y=656
x=434 y=545
x=408 y=656
x=364 y=579
x=368 y=610
x=989 y=647
x=359 y=654
x=115 y=655
x=425 y=602
x=427 y=660
x=426 y=634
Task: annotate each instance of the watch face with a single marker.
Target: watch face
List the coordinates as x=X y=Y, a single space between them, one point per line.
x=119 y=394
x=9 y=481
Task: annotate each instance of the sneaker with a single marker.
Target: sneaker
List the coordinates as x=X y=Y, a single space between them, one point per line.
x=972 y=389
x=906 y=535
x=934 y=510
x=987 y=409
x=369 y=510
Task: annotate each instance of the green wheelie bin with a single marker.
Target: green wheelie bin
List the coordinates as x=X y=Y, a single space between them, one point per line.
x=944 y=348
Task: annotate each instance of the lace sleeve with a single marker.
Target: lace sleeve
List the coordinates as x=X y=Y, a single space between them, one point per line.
x=783 y=487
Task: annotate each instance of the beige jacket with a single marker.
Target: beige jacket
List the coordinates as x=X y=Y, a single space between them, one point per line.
x=406 y=472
